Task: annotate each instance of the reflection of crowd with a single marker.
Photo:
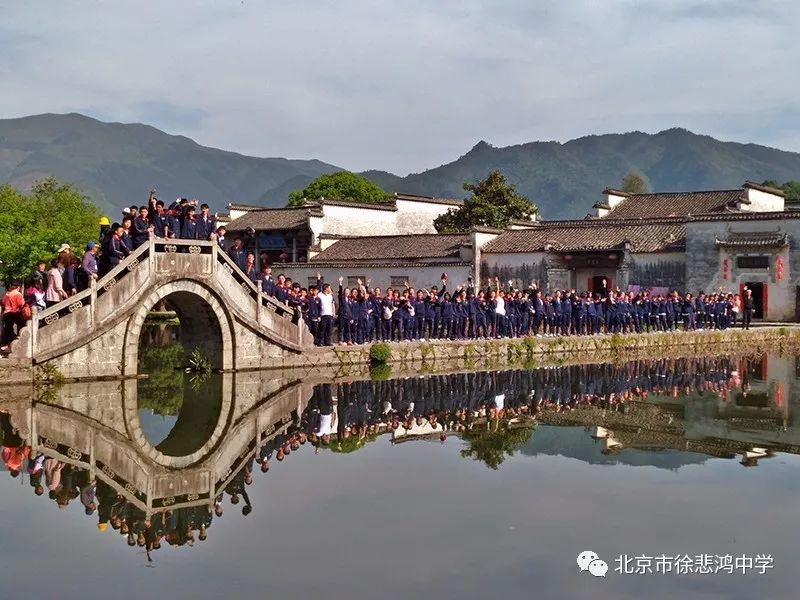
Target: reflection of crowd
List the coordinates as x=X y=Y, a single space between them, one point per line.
x=457 y=402
x=354 y=412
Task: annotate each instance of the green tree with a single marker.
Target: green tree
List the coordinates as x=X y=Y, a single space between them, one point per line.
x=635 y=183
x=342 y=185
x=33 y=226
x=494 y=203
x=491 y=444
x=791 y=188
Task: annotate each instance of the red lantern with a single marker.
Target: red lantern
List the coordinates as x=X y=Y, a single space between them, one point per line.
x=725 y=268
x=779 y=268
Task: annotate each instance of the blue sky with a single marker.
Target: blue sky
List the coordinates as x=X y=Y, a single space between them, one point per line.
x=405 y=86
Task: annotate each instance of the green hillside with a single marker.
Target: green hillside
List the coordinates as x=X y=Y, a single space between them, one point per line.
x=116 y=164
x=564 y=180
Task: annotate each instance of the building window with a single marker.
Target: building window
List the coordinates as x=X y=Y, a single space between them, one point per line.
x=752 y=262
x=398 y=281
x=352 y=280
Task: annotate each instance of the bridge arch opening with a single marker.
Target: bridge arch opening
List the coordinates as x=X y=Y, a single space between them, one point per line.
x=176 y=415
x=204 y=325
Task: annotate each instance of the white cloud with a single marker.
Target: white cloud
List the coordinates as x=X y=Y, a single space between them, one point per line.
x=404 y=86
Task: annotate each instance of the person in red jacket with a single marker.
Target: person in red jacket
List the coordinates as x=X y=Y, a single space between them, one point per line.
x=13 y=321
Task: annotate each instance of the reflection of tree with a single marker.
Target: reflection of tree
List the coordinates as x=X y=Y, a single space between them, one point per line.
x=162 y=390
x=492 y=442
x=351 y=444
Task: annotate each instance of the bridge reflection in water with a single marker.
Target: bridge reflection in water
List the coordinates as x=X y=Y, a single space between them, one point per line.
x=86 y=443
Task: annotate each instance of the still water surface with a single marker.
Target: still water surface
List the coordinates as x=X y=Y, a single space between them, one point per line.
x=455 y=486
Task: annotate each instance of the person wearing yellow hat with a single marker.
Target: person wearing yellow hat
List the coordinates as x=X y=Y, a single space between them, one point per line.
x=105 y=225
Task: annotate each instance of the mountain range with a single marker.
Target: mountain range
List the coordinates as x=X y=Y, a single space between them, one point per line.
x=116 y=164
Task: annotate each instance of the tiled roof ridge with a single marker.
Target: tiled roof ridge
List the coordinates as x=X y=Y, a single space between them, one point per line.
x=686 y=193
x=395 y=235
x=609 y=222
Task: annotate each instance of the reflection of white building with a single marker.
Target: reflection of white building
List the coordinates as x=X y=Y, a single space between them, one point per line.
x=424 y=430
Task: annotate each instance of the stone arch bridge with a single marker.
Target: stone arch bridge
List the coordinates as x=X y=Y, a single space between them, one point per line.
x=95 y=334
x=93 y=425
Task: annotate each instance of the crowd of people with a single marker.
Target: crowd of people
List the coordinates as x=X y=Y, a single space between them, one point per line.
x=361 y=314
x=68 y=273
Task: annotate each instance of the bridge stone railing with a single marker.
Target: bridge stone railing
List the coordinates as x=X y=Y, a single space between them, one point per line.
x=106 y=306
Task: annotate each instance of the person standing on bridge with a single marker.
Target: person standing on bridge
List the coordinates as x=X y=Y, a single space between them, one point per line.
x=116 y=250
x=88 y=272
x=141 y=227
x=12 y=313
x=190 y=230
x=205 y=224
x=55 y=285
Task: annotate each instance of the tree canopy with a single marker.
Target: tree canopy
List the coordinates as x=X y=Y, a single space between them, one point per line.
x=491 y=444
x=791 y=188
x=33 y=226
x=635 y=183
x=342 y=185
x=494 y=203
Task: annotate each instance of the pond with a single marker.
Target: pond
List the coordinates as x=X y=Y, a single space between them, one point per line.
x=681 y=475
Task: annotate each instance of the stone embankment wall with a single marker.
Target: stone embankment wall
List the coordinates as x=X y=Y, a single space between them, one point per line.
x=441 y=356
x=444 y=355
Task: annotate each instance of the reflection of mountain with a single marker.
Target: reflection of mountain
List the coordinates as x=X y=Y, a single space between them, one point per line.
x=576 y=442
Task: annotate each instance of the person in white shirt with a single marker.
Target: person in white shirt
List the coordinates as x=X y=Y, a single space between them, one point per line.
x=500 y=311
x=327 y=311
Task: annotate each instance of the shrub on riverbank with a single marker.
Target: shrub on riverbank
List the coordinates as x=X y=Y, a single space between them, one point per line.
x=380 y=353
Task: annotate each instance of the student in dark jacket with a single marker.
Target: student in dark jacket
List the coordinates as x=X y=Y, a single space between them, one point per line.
x=420 y=309
x=748 y=308
x=237 y=253
x=345 y=314
x=189 y=231
x=116 y=250
x=448 y=315
x=689 y=313
x=205 y=223
x=538 y=312
x=141 y=227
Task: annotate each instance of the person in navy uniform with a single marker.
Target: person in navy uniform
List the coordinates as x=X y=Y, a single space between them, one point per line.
x=525 y=311
x=159 y=220
x=591 y=315
x=345 y=314
x=550 y=313
x=481 y=329
x=141 y=227
x=688 y=313
x=419 y=315
x=448 y=315
x=558 y=312
x=375 y=313
x=700 y=310
x=205 y=224
x=599 y=308
x=116 y=249
x=362 y=308
x=237 y=253
x=538 y=311
x=189 y=230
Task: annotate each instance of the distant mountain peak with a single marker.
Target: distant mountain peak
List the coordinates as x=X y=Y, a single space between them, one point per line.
x=117 y=163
